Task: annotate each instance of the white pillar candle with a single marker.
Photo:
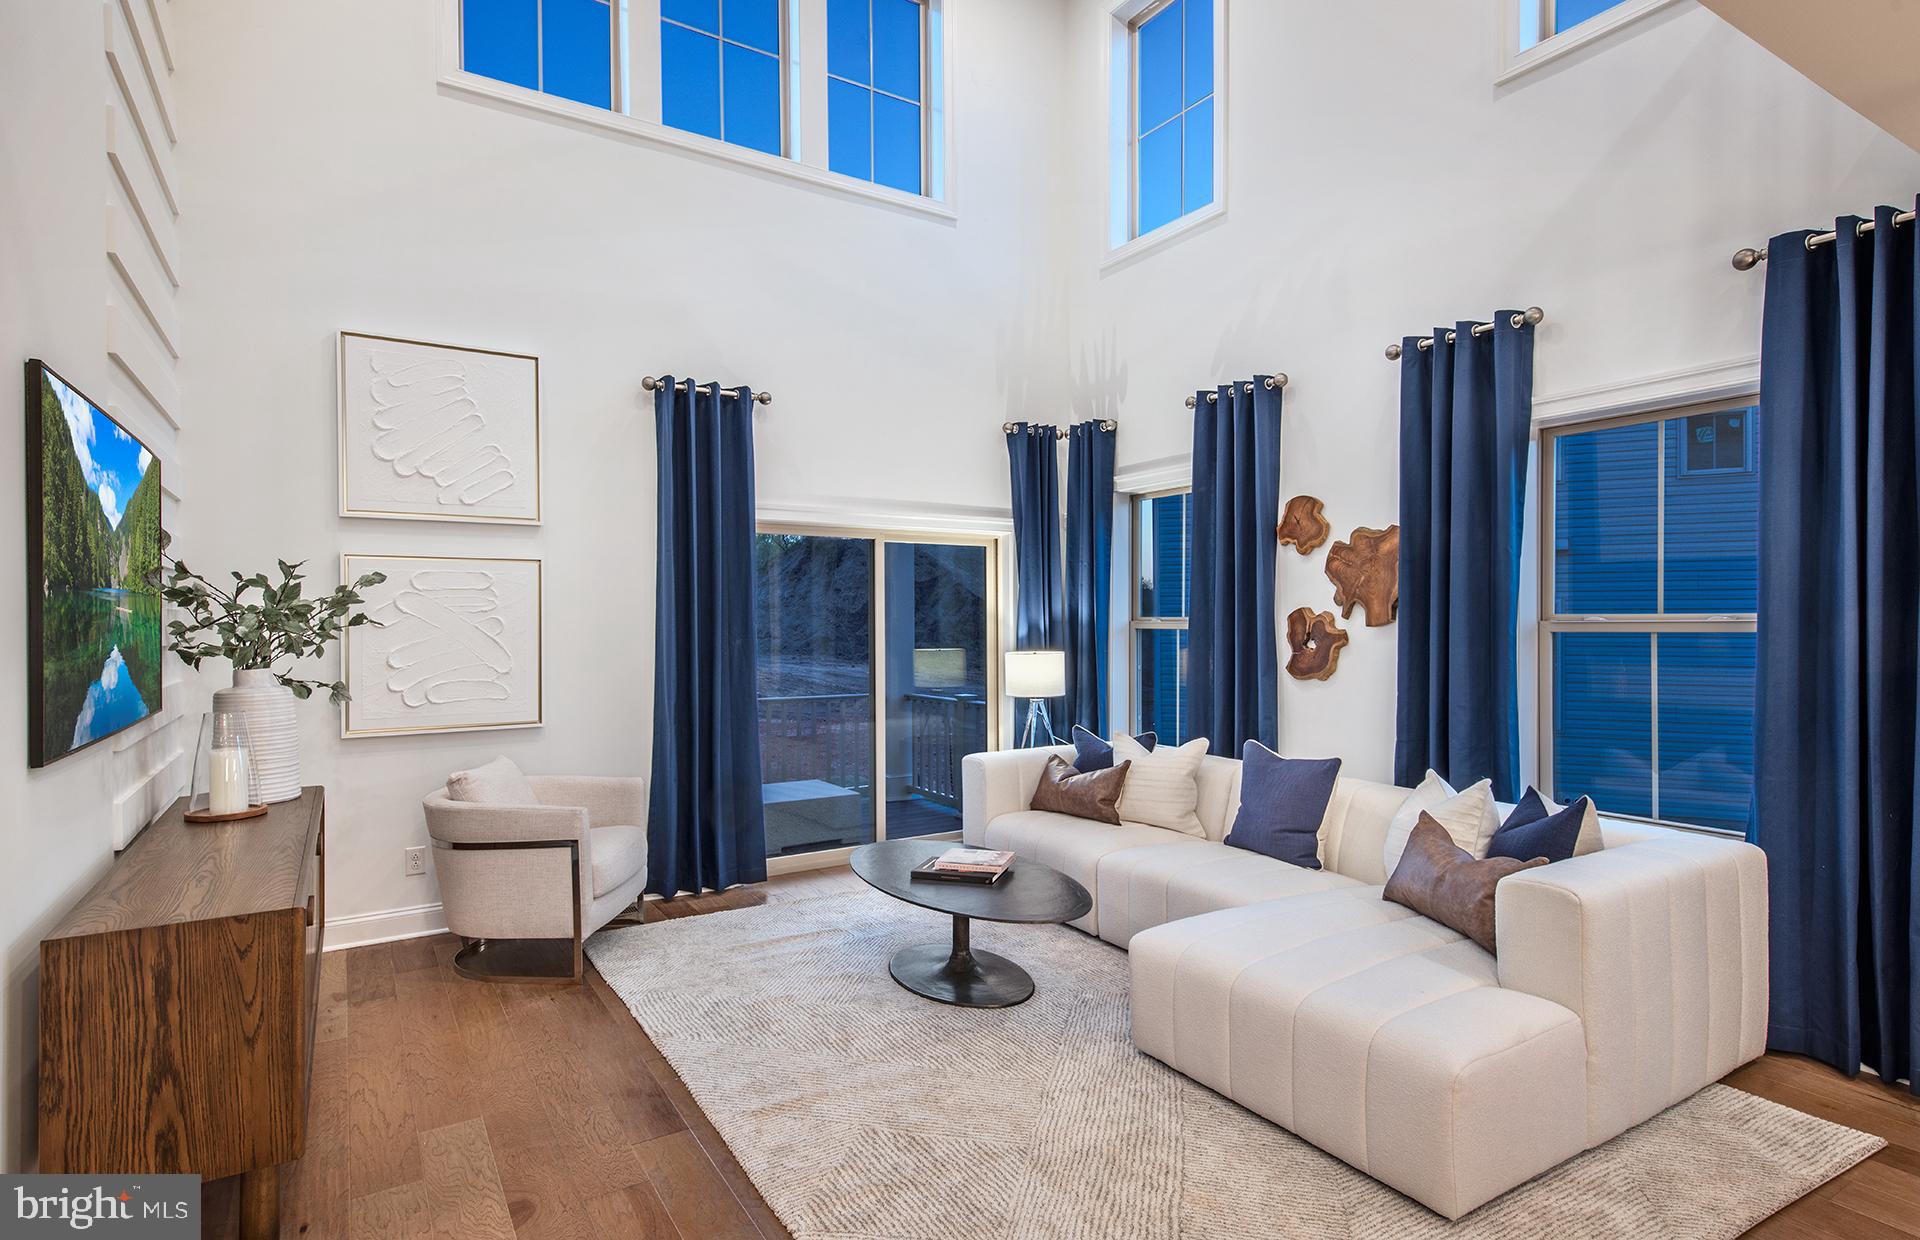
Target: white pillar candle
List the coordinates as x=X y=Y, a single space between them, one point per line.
x=226 y=780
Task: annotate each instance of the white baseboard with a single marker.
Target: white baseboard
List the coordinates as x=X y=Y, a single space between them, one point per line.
x=386 y=926
x=389 y=926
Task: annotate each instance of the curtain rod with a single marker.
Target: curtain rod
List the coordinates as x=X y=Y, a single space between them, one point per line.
x=1277 y=381
x=1747 y=258
x=1532 y=314
x=1060 y=432
x=687 y=385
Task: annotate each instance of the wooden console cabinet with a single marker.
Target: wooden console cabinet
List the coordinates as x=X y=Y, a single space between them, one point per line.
x=177 y=1001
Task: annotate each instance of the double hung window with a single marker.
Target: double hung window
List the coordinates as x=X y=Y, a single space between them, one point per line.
x=1648 y=639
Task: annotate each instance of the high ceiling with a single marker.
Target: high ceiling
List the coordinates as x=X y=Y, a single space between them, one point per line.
x=1863 y=52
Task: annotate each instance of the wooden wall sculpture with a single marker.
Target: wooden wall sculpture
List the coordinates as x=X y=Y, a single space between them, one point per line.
x=1365 y=570
x=1303 y=525
x=1316 y=639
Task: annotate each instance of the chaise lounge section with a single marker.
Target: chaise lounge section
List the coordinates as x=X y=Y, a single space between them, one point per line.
x=1625 y=979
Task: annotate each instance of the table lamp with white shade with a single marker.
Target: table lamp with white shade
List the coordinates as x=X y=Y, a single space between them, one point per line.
x=1036 y=675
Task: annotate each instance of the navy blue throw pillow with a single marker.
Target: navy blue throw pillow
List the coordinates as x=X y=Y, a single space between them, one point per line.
x=1530 y=831
x=1282 y=802
x=1093 y=753
x=1530 y=808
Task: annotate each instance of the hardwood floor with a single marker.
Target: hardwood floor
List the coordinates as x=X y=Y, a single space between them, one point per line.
x=448 y=1108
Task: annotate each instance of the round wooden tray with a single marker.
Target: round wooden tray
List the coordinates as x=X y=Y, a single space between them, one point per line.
x=252 y=811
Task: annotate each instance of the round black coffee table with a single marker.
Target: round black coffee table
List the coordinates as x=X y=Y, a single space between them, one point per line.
x=1029 y=892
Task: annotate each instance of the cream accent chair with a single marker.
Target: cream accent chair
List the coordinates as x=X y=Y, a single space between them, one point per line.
x=1626 y=979
x=525 y=884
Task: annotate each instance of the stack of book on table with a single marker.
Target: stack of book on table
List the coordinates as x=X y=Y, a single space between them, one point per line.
x=966 y=865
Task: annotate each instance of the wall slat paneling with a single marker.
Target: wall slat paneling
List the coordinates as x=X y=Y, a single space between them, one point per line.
x=151 y=374
x=134 y=174
x=147 y=286
x=150 y=768
x=159 y=75
x=161 y=11
x=136 y=93
x=148 y=764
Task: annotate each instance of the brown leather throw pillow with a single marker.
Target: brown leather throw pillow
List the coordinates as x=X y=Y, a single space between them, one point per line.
x=1440 y=879
x=1093 y=794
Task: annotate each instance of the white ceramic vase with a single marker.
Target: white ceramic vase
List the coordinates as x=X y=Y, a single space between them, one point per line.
x=272 y=729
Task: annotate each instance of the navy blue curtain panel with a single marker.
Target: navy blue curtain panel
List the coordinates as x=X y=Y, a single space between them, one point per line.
x=1089 y=574
x=705 y=828
x=1837 y=689
x=1039 y=612
x=1466 y=410
x=1233 y=652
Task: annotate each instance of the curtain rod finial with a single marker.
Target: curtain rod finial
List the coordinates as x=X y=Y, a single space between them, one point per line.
x=650 y=383
x=1746 y=258
x=1393 y=352
x=1533 y=317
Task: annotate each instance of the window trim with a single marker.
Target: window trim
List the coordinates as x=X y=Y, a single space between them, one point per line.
x=998 y=641
x=1518 y=60
x=639 y=83
x=1137 y=623
x=1552 y=622
x=1122 y=246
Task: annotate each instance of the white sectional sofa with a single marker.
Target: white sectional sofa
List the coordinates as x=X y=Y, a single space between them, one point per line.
x=1625 y=979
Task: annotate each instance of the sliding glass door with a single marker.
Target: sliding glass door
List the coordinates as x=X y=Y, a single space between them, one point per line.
x=814 y=614
x=937 y=654
x=878 y=673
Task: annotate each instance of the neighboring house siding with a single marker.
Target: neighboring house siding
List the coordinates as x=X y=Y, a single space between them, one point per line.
x=1606 y=529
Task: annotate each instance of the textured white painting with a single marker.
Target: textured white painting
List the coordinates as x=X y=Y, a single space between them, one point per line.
x=438 y=433
x=457 y=646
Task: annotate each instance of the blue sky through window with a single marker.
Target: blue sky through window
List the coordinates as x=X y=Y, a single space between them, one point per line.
x=720 y=70
x=1173 y=114
x=874 y=74
x=558 y=47
x=1570 y=13
x=1539 y=21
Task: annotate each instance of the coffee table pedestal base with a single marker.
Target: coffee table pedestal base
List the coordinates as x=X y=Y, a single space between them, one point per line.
x=959 y=975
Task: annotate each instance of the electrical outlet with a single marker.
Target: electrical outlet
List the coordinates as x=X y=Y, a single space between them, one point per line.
x=416 y=860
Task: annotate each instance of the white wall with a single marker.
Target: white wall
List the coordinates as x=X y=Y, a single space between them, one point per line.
x=1379 y=184
x=63 y=209
x=333 y=185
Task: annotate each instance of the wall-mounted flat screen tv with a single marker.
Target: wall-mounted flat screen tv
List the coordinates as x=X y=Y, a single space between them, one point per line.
x=93 y=537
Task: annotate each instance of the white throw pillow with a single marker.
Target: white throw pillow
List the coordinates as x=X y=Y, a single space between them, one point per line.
x=499 y=782
x=1163 y=785
x=1469 y=817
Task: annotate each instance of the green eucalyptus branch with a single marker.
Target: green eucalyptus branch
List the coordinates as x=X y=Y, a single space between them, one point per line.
x=279 y=622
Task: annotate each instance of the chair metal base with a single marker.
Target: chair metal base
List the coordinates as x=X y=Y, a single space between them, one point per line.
x=519 y=960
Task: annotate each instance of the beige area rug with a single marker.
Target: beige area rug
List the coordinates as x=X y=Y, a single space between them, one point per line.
x=861 y=1110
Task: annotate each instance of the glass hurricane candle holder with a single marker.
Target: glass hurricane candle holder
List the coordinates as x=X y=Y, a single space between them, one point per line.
x=225 y=785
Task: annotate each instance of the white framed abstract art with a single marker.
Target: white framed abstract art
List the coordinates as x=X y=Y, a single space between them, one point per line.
x=457 y=647
x=436 y=432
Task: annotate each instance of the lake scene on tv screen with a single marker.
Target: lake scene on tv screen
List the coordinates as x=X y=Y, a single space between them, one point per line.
x=100 y=538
